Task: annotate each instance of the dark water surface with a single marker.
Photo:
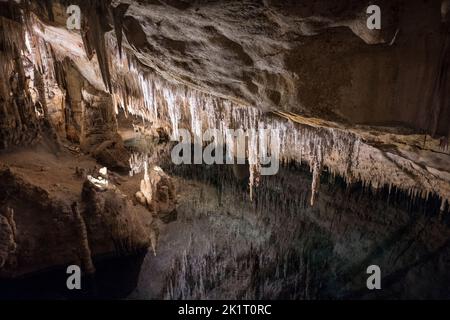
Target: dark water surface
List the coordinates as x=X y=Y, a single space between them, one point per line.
x=224 y=246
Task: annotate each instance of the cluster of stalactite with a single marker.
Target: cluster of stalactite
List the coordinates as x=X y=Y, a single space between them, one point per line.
x=166 y=104
x=46 y=70
x=98 y=17
x=86 y=115
x=31 y=94
x=18 y=119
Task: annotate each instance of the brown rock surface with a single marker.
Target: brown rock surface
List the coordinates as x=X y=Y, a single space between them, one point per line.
x=40 y=188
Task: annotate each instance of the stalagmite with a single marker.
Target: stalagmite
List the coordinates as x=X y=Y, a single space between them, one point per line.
x=443 y=204
x=84 y=249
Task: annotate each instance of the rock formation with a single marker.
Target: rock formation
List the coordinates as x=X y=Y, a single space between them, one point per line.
x=157 y=193
x=368 y=109
x=47 y=230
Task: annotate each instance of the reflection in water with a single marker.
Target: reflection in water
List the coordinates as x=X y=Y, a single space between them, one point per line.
x=115 y=278
x=223 y=246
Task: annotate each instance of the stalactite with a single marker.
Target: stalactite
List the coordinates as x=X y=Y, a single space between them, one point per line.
x=96 y=22
x=118 y=14
x=443 y=204
x=19 y=120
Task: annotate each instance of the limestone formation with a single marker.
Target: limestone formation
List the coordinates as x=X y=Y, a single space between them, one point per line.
x=157 y=193
x=88 y=119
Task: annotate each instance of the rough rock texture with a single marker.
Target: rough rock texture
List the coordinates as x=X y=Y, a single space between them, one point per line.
x=47 y=222
x=313 y=57
x=316 y=59
x=8 y=235
x=19 y=123
x=112 y=153
x=111 y=213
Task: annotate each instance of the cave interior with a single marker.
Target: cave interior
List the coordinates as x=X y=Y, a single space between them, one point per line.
x=96 y=94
